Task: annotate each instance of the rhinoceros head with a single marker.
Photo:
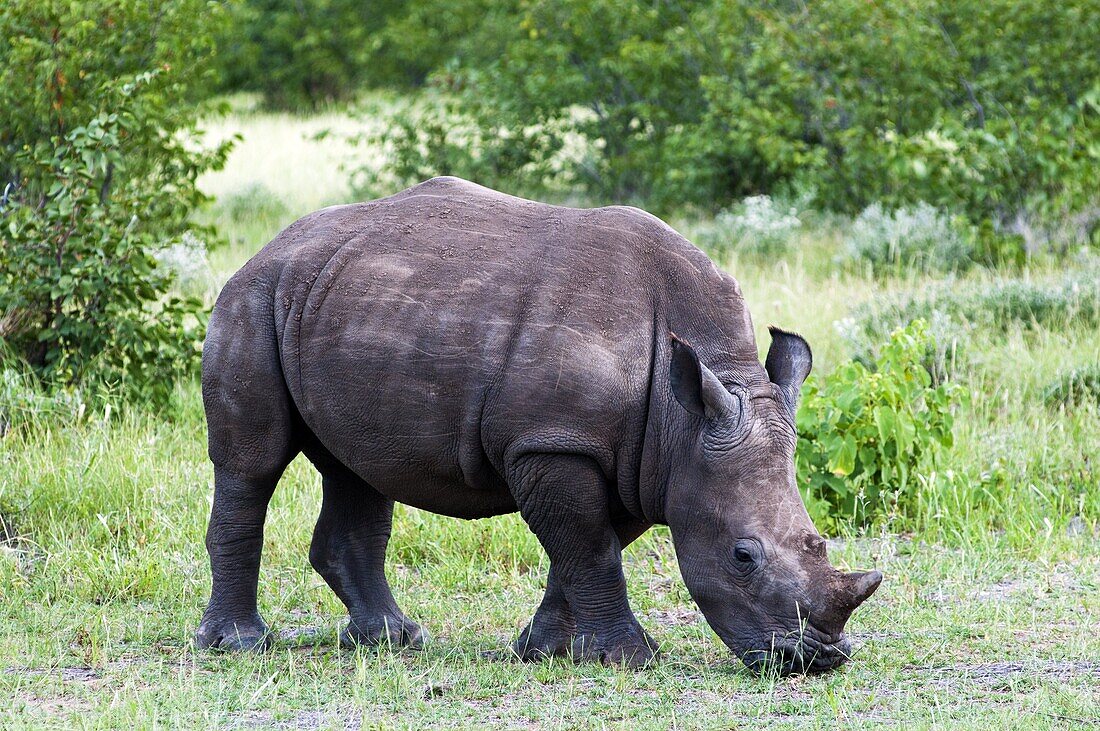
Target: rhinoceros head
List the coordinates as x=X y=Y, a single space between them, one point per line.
x=749 y=554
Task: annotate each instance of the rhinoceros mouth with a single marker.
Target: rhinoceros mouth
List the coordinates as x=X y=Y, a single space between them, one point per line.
x=803 y=653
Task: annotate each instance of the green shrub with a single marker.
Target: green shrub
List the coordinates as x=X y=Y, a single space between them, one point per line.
x=865 y=434
x=988 y=108
x=1074 y=386
x=436 y=135
x=909 y=238
x=255 y=201
x=608 y=72
x=98 y=132
x=425 y=36
x=299 y=55
x=305 y=54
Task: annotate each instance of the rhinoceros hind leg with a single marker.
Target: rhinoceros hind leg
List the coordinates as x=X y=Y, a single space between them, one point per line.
x=349 y=552
x=234 y=540
x=252 y=438
x=565 y=501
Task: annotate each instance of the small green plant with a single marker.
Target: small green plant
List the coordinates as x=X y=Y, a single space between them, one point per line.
x=1074 y=386
x=866 y=433
x=255 y=201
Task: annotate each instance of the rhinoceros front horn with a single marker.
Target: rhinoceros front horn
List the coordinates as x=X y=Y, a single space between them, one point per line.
x=860 y=586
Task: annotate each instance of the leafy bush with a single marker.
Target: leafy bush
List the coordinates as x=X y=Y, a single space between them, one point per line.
x=299 y=55
x=605 y=71
x=98 y=130
x=865 y=434
x=1074 y=386
x=435 y=136
x=989 y=108
x=253 y=202
x=308 y=53
x=918 y=237
x=757 y=226
x=425 y=36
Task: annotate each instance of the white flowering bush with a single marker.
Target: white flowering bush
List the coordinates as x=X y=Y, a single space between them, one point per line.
x=187 y=259
x=919 y=237
x=758 y=225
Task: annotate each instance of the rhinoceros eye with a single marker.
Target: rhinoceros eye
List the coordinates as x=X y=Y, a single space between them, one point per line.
x=747 y=553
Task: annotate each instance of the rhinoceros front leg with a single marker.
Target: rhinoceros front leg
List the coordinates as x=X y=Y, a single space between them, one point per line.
x=564 y=500
x=349 y=552
x=551 y=631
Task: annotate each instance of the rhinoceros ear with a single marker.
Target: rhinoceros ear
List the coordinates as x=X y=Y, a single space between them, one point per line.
x=789 y=362
x=694 y=385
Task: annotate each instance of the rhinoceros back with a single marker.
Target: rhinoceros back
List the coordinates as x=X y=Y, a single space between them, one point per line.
x=427 y=337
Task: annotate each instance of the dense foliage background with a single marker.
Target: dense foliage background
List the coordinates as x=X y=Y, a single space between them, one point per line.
x=910 y=184
x=99 y=103
x=987 y=108
x=929 y=138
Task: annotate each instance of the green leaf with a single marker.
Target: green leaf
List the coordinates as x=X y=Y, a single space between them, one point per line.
x=843 y=459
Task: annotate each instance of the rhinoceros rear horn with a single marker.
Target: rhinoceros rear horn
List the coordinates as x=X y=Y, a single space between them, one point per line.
x=788 y=363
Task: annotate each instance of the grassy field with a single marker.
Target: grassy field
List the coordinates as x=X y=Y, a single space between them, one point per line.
x=988 y=616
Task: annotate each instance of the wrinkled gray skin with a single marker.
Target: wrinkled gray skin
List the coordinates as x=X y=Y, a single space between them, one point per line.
x=473 y=354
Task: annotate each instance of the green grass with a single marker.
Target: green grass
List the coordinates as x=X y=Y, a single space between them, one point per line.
x=987 y=617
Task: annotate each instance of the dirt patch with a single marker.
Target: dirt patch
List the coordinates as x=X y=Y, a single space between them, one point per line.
x=488 y=714
x=82 y=675
x=59 y=705
x=995 y=672
x=304 y=637
x=674 y=617
x=53 y=705
x=1001 y=590
x=71 y=674
x=299 y=721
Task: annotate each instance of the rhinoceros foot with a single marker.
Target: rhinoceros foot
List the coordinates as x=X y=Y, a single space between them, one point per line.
x=396 y=630
x=545 y=637
x=232 y=634
x=630 y=647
